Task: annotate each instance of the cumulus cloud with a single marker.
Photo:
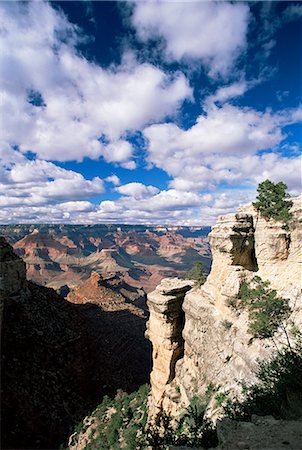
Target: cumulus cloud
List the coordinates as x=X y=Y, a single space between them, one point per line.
x=224 y=202
x=226 y=93
x=138 y=204
x=34 y=183
x=63 y=107
x=114 y=179
x=223 y=146
x=168 y=206
x=211 y=32
x=137 y=190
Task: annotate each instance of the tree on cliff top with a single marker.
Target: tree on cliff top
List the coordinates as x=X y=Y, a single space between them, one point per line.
x=273 y=201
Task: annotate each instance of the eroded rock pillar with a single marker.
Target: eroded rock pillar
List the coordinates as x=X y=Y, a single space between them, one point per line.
x=164 y=330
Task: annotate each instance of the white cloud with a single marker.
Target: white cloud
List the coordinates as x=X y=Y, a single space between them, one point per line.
x=212 y=32
x=138 y=204
x=76 y=101
x=292 y=12
x=80 y=206
x=222 y=147
x=151 y=206
x=62 y=107
x=228 y=92
x=137 y=190
x=114 y=179
x=40 y=183
x=119 y=151
x=224 y=202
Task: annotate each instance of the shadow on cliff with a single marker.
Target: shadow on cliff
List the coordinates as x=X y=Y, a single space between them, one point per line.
x=121 y=355
x=58 y=361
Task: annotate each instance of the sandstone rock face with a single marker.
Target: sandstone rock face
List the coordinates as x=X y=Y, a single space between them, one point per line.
x=217 y=348
x=164 y=330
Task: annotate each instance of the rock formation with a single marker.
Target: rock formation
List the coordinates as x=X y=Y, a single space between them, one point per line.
x=165 y=332
x=59 y=357
x=217 y=348
x=44 y=360
x=59 y=255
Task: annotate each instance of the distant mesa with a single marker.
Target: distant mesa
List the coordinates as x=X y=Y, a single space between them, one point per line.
x=65 y=255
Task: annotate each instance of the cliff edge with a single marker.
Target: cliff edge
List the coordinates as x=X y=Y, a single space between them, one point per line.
x=203 y=340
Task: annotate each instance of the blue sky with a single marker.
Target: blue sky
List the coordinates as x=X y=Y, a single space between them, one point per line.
x=146 y=112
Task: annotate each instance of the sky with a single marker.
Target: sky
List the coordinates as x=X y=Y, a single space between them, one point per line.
x=149 y=112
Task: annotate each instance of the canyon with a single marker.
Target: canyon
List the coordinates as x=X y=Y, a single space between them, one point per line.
x=200 y=338
x=202 y=347
x=59 y=358
x=64 y=256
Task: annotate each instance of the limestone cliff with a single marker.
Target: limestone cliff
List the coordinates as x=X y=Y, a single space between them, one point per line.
x=209 y=343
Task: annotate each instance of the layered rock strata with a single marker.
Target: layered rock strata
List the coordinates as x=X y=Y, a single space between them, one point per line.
x=217 y=349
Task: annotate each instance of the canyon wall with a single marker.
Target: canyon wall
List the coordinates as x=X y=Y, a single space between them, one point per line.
x=199 y=340
x=58 y=357
x=61 y=256
x=44 y=360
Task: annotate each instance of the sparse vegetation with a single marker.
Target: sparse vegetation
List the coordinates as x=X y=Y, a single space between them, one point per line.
x=196 y=273
x=278 y=392
x=221 y=397
x=267 y=311
x=227 y=324
x=192 y=429
x=273 y=201
x=121 y=423
x=210 y=390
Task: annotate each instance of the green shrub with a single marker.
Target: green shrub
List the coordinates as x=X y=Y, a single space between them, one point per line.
x=226 y=324
x=221 y=398
x=192 y=429
x=126 y=425
x=279 y=380
x=197 y=273
x=210 y=390
x=267 y=311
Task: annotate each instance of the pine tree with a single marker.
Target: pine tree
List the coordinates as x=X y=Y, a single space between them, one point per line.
x=273 y=201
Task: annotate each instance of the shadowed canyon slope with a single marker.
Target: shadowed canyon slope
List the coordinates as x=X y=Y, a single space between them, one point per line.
x=60 y=357
x=60 y=255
